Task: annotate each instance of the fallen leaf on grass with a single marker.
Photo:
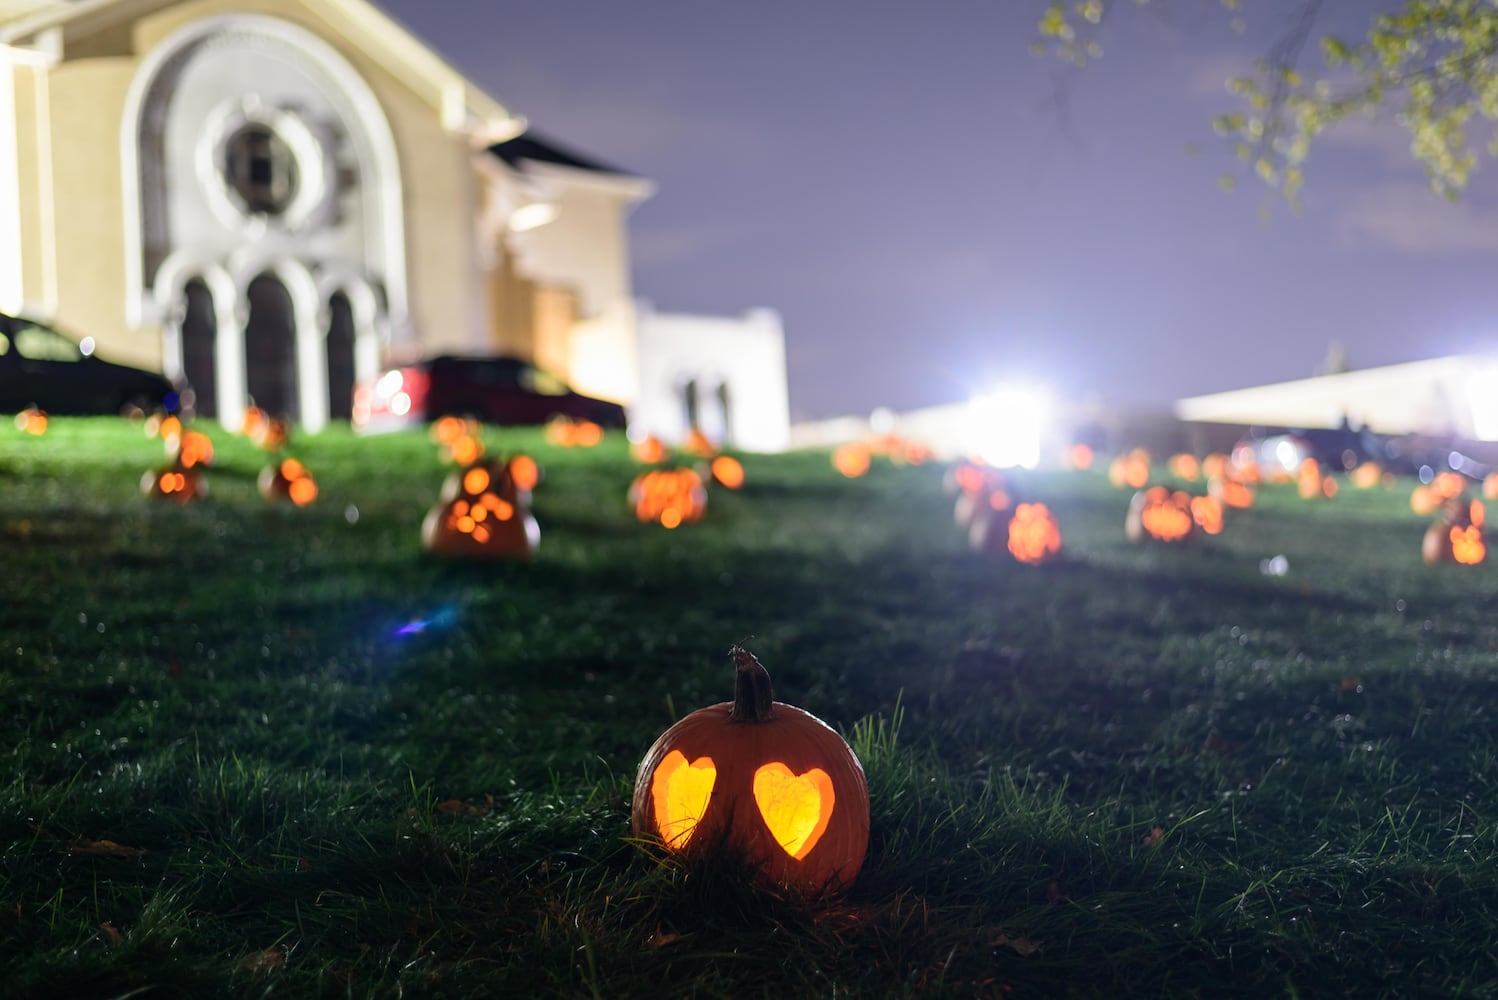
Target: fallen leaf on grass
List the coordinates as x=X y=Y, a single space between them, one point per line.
x=1153 y=838
x=457 y=807
x=662 y=938
x=264 y=961
x=106 y=849
x=115 y=937
x=1022 y=946
x=1055 y=895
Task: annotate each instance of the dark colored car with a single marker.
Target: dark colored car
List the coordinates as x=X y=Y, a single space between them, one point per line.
x=41 y=367
x=495 y=390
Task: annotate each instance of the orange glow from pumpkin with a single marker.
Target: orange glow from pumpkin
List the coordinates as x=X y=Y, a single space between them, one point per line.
x=302 y=490
x=525 y=472
x=1214 y=466
x=1233 y=493
x=671 y=497
x=31 y=421
x=1424 y=500
x=1034 y=536
x=1490 y=486
x=1131 y=470
x=446 y=430
x=1467 y=545
x=852 y=460
x=728 y=471
x=1477 y=513
x=1185 y=467
x=1166 y=515
x=1367 y=475
x=697 y=443
x=193 y=448
x=1309 y=480
x=680 y=791
x=465 y=449
x=476 y=480
x=1448 y=485
x=796 y=808
x=1207 y=513
x=1328 y=487
x=1080 y=457
x=651 y=450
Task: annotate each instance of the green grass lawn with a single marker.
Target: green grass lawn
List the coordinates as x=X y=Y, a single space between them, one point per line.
x=335 y=767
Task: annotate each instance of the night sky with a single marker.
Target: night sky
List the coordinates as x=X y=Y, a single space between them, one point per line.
x=930 y=207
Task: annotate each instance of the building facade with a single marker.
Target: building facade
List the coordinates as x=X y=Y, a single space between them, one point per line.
x=273 y=199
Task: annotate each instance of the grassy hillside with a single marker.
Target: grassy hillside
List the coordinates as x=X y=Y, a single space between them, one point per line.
x=328 y=765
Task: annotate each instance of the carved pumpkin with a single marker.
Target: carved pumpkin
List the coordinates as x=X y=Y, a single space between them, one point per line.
x=650 y=449
x=1160 y=514
x=1033 y=536
x=672 y=497
x=728 y=471
x=1080 y=457
x=481 y=514
x=1232 y=492
x=758 y=781
x=191 y=448
x=31 y=421
x=176 y=484
x=852 y=460
x=1457 y=536
x=1185 y=467
x=1207 y=513
x=1131 y=470
x=287 y=479
x=564 y=432
x=698 y=443
x=1367 y=475
x=525 y=471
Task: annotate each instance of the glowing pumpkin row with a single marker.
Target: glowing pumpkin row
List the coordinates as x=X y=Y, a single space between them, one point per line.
x=757 y=781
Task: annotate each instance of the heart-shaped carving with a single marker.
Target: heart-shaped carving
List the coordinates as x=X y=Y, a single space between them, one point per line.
x=795 y=807
x=680 y=791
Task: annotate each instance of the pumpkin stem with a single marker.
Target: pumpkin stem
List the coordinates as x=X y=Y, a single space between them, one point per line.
x=753 y=698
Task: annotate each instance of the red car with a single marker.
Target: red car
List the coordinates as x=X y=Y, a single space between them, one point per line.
x=494 y=390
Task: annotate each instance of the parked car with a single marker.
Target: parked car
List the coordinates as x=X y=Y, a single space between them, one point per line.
x=42 y=367
x=495 y=390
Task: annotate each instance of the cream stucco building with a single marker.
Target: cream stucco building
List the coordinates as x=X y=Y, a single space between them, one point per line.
x=273 y=199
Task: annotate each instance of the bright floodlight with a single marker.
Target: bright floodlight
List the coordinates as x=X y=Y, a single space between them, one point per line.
x=1005 y=425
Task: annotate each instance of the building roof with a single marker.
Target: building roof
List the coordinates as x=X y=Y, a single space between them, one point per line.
x=1457 y=394
x=532 y=145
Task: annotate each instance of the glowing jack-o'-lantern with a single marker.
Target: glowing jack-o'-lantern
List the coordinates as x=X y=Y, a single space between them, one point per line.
x=1032 y=535
x=1160 y=514
x=1232 y=492
x=1457 y=536
x=1214 y=466
x=671 y=497
x=1207 y=513
x=191 y=448
x=287 y=479
x=1130 y=470
x=852 y=460
x=525 y=471
x=1312 y=484
x=728 y=472
x=978 y=486
x=31 y=421
x=564 y=432
x=1490 y=486
x=759 y=782
x=1367 y=475
x=481 y=514
x=650 y=450
x=176 y=484
x=1184 y=466
x=1079 y=456
x=699 y=444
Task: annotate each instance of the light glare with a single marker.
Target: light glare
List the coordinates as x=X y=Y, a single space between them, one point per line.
x=1006 y=425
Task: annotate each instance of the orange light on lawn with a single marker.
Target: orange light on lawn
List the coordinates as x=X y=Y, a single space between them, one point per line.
x=852 y=460
x=728 y=471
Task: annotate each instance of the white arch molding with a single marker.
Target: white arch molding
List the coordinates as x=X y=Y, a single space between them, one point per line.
x=383 y=224
x=170 y=286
